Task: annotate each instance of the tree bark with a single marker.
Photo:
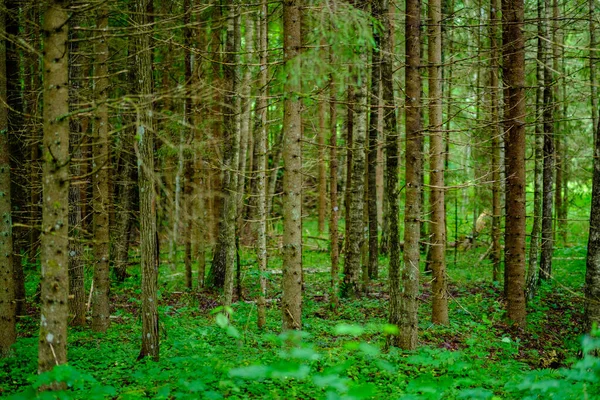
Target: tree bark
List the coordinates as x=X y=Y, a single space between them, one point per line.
x=291 y=301
x=548 y=115
x=16 y=146
x=334 y=209
x=7 y=278
x=260 y=160
x=55 y=226
x=149 y=255
x=77 y=306
x=355 y=188
x=390 y=131
x=496 y=133
x=372 y=203
x=536 y=229
x=414 y=159
x=436 y=179
x=224 y=257
x=101 y=199
x=514 y=128
x=592 y=271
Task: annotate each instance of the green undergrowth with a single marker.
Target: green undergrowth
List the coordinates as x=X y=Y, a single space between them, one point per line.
x=341 y=352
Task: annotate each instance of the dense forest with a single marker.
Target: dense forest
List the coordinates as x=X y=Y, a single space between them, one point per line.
x=299 y=199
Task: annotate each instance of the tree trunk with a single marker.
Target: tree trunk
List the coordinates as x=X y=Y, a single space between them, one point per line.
x=496 y=133
x=224 y=257
x=414 y=159
x=393 y=193
x=291 y=301
x=534 y=244
x=322 y=205
x=7 y=279
x=16 y=146
x=149 y=254
x=355 y=189
x=548 y=166
x=436 y=179
x=334 y=209
x=592 y=271
x=514 y=128
x=77 y=306
x=55 y=226
x=372 y=203
x=101 y=199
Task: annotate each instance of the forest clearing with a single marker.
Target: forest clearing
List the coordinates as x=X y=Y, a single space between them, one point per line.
x=299 y=199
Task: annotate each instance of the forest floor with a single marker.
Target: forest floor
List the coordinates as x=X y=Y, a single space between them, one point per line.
x=341 y=352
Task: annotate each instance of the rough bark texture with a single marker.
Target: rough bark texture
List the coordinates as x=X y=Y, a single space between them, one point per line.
x=149 y=259
x=514 y=128
x=55 y=226
x=7 y=283
x=77 y=299
x=592 y=272
x=496 y=134
x=372 y=203
x=355 y=188
x=291 y=300
x=224 y=257
x=414 y=160
x=390 y=131
x=437 y=207
x=101 y=200
x=260 y=159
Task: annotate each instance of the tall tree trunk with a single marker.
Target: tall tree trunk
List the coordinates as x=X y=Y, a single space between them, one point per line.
x=322 y=204
x=32 y=87
x=260 y=159
x=436 y=179
x=514 y=128
x=592 y=271
x=291 y=301
x=548 y=165
x=7 y=279
x=334 y=210
x=15 y=137
x=534 y=244
x=126 y=180
x=414 y=159
x=149 y=253
x=224 y=257
x=77 y=306
x=496 y=133
x=55 y=227
x=372 y=204
x=101 y=199
x=390 y=131
x=356 y=183
x=188 y=191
